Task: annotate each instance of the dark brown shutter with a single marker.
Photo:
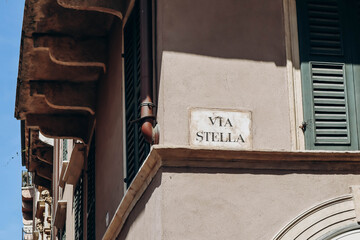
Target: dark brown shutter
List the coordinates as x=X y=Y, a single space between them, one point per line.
x=136 y=146
x=91 y=192
x=78 y=210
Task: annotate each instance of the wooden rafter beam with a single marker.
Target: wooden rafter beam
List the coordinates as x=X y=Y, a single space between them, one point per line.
x=44 y=172
x=66 y=95
x=40 y=152
x=44 y=154
x=114 y=7
x=69 y=51
x=75 y=126
x=47 y=16
x=40 y=181
x=38 y=64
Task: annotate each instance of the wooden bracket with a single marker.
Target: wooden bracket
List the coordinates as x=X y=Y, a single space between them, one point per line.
x=66 y=95
x=75 y=126
x=114 y=7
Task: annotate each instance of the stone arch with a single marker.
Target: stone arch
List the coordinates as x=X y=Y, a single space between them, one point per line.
x=323 y=221
x=350 y=232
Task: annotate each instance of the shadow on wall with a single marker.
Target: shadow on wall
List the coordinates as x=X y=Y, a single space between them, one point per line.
x=246 y=29
x=270 y=169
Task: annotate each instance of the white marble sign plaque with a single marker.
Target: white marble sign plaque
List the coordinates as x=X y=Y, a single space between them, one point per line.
x=220 y=128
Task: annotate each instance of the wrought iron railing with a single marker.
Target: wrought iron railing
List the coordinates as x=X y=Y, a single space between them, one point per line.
x=26 y=179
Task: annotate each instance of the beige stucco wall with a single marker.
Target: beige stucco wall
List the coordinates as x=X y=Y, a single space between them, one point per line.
x=230 y=204
x=210 y=54
x=228 y=54
x=242 y=206
x=109 y=136
x=69 y=223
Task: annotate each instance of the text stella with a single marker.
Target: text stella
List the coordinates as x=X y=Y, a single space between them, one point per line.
x=214 y=136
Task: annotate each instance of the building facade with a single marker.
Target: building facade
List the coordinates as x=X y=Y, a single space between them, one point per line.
x=179 y=119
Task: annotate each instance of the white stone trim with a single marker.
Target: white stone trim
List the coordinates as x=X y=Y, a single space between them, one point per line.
x=355 y=190
x=331 y=215
x=293 y=74
x=192 y=157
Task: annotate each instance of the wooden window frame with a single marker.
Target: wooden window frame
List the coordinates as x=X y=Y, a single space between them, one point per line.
x=295 y=86
x=293 y=75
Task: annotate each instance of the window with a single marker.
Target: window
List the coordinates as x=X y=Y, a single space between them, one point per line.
x=329 y=55
x=136 y=147
x=65 y=150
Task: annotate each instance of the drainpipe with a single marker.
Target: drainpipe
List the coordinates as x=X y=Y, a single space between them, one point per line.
x=148 y=128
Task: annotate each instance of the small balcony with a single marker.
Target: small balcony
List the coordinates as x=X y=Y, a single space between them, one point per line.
x=27 y=232
x=26 y=179
x=27 y=193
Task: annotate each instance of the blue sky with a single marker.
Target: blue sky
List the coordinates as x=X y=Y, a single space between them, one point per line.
x=11 y=12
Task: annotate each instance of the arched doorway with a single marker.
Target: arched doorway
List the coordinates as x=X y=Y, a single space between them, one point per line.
x=334 y=219
x=345 y=234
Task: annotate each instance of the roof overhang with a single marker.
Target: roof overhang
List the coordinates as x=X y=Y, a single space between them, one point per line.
x=63 y=54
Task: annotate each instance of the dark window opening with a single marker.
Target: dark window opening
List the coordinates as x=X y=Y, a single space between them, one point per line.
x=136 y=147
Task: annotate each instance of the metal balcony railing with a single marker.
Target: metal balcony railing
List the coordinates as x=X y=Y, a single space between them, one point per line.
x=26 y=179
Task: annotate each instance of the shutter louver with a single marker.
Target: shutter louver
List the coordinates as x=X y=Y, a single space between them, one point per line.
x=325 y=30
x=91 y=192
x=136 y=146
x=78 y=210
x=330 y=104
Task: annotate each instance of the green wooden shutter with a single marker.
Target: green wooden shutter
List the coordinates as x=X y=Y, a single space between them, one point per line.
x=331 y=116
x=78 y=210
x=91 y=191
x=327 y=74
x=136 y=146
